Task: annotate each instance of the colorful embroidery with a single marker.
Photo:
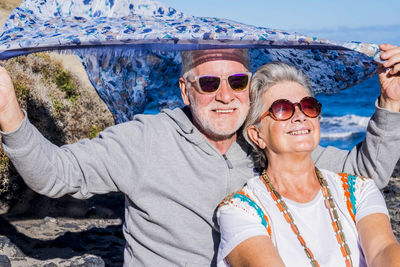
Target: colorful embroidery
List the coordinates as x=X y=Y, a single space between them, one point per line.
x=242 y=197
x=348 y=184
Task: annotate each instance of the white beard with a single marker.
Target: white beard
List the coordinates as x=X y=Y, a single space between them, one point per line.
x=217 y=129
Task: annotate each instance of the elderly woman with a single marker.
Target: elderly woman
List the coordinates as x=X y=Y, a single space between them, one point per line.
x=295 y=214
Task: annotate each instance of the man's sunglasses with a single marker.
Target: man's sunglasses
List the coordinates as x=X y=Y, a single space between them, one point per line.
x=283 y=109
x=208 y=84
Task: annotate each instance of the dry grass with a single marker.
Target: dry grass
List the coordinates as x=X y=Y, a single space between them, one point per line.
x=6 y=6
x=57 y=103
x=63 y=107
x=9 y=4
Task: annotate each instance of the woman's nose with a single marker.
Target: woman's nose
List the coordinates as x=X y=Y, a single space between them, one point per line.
x=298 y=113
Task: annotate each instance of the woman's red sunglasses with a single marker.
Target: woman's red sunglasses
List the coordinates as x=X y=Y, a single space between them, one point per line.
x=283 y=109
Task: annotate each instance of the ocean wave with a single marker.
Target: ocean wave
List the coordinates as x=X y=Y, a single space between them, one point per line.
x=343 y=127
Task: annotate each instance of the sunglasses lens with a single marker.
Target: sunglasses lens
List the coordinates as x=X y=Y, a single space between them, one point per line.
x=238 y=82
x=209 y=84
x=282 y=109
x=310 y=107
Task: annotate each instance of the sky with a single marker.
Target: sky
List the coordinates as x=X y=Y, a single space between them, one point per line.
x=340 y=20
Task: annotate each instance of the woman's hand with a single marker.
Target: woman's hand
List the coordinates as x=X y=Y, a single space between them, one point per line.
x=11 y=115
x=389 y=77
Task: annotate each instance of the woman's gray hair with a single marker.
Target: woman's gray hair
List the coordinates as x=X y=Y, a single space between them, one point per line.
x=265 y=77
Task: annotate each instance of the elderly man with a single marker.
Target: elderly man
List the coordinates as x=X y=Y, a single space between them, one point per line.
x=175 y=167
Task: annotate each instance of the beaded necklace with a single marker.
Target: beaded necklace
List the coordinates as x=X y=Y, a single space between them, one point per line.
x=329 y=204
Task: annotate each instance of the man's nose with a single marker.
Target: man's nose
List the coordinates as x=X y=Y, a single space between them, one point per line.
x=225 y=93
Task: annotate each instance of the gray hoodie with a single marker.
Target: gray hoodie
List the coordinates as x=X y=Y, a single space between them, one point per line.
x=173 y=179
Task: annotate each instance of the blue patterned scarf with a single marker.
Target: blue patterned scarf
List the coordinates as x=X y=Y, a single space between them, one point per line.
x=130 y=48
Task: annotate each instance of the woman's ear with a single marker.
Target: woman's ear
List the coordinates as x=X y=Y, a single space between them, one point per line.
x=255 y=136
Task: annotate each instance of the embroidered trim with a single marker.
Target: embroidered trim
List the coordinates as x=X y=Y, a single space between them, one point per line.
x=348 y=184
x=240 y=197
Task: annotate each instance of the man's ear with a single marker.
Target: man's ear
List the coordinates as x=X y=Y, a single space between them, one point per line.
x=184 y=91
x=254 y=135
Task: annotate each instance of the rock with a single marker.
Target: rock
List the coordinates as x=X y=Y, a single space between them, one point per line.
x=91 y=242
x=60 y=117
x=9 y=249
x=40 y=237
x=4 y=261
x=48 y=222
x=71 y=226
x=396 y=172
x=90 y=262
x=391 y=194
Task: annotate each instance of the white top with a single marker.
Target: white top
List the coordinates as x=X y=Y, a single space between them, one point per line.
x=253 y=212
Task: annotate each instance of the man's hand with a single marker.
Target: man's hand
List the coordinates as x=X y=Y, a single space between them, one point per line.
x=389 y=77
x=11 y=115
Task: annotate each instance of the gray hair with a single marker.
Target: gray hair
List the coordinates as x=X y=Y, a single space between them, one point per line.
x=265 y=77
x=187 y=60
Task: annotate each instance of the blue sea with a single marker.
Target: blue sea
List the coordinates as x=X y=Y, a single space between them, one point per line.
x=345 y=114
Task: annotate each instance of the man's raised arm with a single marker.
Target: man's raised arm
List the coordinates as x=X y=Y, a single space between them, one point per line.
x=81 y=169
